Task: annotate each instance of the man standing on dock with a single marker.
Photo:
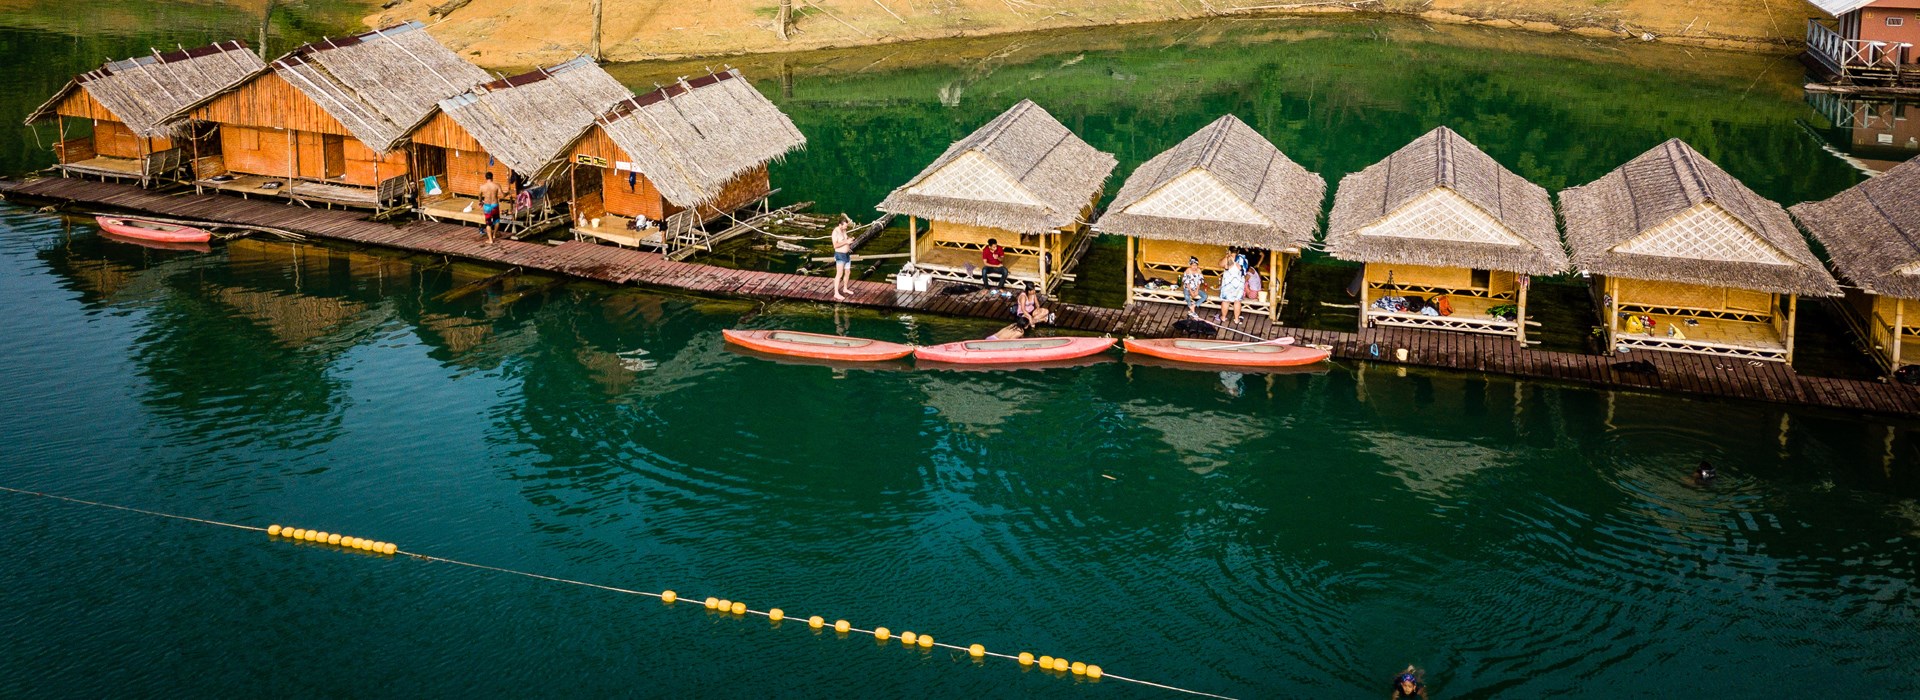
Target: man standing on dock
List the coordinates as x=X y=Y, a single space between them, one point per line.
x=842 y=257
x=489 y=206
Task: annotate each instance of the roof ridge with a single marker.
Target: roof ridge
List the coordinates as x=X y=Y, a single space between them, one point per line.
x=1005 y=124
x=1443 y=171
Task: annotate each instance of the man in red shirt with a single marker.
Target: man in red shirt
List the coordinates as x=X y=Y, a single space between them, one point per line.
x=994 y=260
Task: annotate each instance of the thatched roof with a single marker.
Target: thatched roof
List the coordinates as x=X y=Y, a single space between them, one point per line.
x=1440 y=201
x=143 y=92
x=380 y=85
x=528 y=121
x=1672 y=215
x=1023 y=171
x=1872 y=231
x=1224 y=185
x=693 y=137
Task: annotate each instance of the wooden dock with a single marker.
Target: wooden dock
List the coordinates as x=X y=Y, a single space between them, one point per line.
x=1683 y=373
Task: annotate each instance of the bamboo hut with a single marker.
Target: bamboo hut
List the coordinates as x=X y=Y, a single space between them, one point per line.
x=129 y=105
x=1024 y=180
x=1224 y=188
x=328 y=122
x=1449 y=238
x=1872 y=233
x=1685 y=258
x=518 y=129
x=654 y=169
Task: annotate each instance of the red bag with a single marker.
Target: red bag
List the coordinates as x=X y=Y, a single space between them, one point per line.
x=1443 y=305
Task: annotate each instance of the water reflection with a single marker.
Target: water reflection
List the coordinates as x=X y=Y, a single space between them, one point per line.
x=1872 y=135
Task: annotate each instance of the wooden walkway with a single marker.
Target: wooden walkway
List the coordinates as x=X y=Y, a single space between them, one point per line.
x=1691 y=374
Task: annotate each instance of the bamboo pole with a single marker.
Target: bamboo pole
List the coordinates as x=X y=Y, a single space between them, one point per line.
x=1133 y=292
x=1610 y=287
x=1520 y=328
x=1899 y=331
x=1793 y=309
x=1366 y=285
x=1276 y=284
x=913 y=240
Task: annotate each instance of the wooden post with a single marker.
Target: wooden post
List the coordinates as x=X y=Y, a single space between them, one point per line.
x=1046 y=246
x=594 y=47
x=1521 y=314
x=1131 y=243
x=1793 y=308
x=1611 y=307
x=781 y=20
x=1899 y=330
x=1365 y=285
x=1276 y=284
x=913 y=240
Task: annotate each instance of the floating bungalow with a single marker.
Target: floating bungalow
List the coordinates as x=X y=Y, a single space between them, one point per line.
x=129 y=106
x=1449 y=238
x=1684 y=258
x=327 y=123
x=1871 y=43
x=1872 y=234
x=518 y=129
x=1024 y=180
x=1224 y=188
x=654 y=169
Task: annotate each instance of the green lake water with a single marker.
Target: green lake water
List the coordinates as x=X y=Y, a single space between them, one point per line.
x=1292 y=535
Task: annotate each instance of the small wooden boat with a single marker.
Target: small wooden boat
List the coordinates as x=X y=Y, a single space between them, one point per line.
x=1279 y=353
x=152 y=230
x=157 y=245
x=818 y=346
x=1013 y=352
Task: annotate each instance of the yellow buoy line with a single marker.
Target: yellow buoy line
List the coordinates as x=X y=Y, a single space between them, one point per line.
x=1060 y=665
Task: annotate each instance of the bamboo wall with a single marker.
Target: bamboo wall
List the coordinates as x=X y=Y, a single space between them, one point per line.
x=111 y=138
x=1022 y=243
x=622 y=200
x=362 y=162
x=268 y=101
x=82 y=105
x=1693 y=296
x=446 y=133
x=1426 y=276
x=254 y=151
x=745 y=188
x=467 y=171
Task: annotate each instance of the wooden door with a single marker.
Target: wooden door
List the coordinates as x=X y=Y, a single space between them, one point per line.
x=333 y=155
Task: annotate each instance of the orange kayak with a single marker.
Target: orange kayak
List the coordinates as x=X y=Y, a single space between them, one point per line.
x=818 y=346
x=1013 y=352
x=152 y=230
x=1227 y=352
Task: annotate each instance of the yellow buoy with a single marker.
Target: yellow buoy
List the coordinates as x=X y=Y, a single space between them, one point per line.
x=926 y=641
x=725 y=605
x=841 y=626
x=1059 y=664
x=816 y=622
x=318 y=537
x=390 y=548
x=1026 y=658
x=881 y=633
x=739 y=608
x=712 y=602
x=977 y=651
x=273 y=530
x=776 y=615
x=1046 y=662
x=300 y=534
x=362 y=543
x=350 y=542
x=668 y=596
x=1079 y=669
x=1093 y=671
x=908 y=638
x=333 y=539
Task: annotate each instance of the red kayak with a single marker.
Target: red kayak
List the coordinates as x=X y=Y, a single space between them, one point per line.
x=158 y=245
x=818 y=346
x=1013 y=352
x=152 y=230
x=1280 y=353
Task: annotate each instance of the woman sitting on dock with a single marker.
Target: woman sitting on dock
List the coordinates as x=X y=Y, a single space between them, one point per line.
x=1193 y=286
x=1027 y=308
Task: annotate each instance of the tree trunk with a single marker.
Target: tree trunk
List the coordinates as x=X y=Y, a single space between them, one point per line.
x=785 y=18
x=595 y=46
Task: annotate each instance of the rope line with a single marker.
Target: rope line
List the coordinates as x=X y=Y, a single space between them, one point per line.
x=615 y=589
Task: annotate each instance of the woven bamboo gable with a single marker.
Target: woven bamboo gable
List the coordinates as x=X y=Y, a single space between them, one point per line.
x=1672 y=215
x=1224 y=185
x=1198 y=195
x=1024 y=171
x=1442 y=202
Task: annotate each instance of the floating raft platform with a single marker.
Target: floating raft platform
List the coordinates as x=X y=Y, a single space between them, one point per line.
x=1682 y=373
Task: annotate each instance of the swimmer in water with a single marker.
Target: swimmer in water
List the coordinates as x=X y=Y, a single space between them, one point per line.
x=1408 y=685
x=1705 y=473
